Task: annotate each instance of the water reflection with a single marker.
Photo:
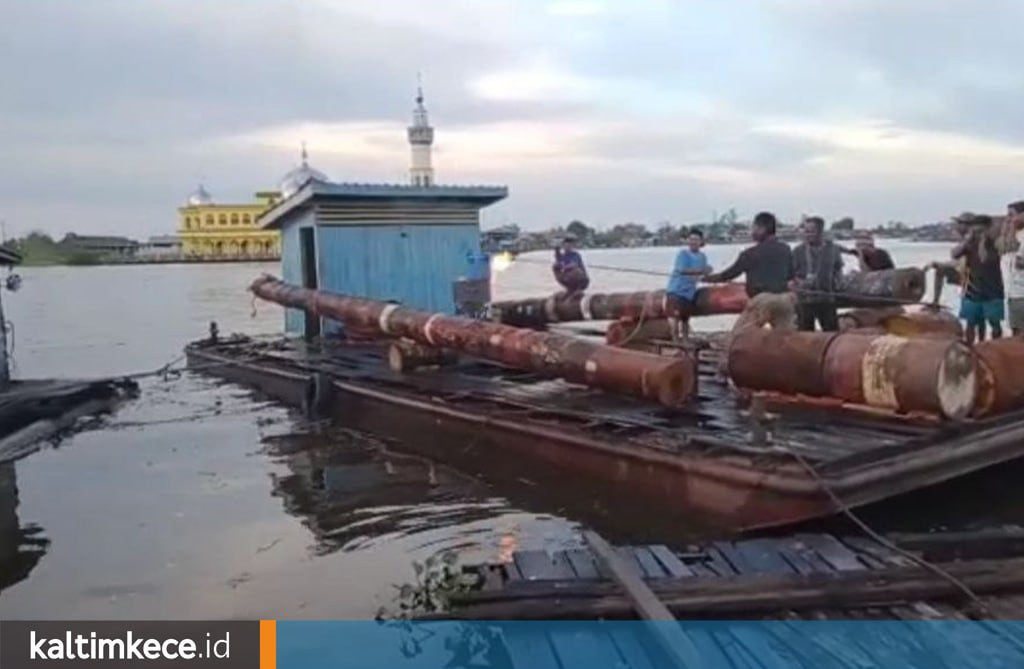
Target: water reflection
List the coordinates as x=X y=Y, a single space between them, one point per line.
x=352 y=492
x=21 y=548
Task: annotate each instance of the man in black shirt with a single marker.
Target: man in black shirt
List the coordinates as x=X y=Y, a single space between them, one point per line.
x=768 y=264
x=817 y=264
x=982 y=299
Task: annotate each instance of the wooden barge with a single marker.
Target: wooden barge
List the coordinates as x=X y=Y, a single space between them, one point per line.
x=942 y=576
x=713 y=456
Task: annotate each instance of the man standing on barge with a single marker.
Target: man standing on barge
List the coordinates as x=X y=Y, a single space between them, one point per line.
x=817 y=266
x=983 y=293
x=768 y=266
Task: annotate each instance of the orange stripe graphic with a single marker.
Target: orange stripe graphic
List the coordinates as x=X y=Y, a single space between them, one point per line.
x=268 y=644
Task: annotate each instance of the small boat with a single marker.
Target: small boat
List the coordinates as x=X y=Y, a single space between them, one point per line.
x=937 y=576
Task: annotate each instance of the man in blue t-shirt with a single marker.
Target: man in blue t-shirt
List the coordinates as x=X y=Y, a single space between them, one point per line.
x=681 y=293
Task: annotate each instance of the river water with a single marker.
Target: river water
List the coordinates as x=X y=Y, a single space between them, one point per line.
x=199 y=501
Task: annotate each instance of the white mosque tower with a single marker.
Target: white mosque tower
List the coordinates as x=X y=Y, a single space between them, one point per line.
x=421 y=137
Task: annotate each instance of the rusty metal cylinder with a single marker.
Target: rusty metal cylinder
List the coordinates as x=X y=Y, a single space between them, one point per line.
x=785 y=362
x=670 y=381
x=903 y=374
x=881 y=288
x=1000 y=376
x=724 y=298
x=920 y=374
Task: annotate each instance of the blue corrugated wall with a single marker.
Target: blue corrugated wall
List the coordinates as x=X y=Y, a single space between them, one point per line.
x=412 y=264
x=291 y=269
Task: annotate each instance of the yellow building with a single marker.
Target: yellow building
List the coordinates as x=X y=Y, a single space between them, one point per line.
x=214 y=231
x=221 y=231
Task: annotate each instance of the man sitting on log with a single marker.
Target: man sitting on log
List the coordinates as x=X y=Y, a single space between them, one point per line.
x=569 y=270
x=817 y=266
x=691 y=263
x=870 y=257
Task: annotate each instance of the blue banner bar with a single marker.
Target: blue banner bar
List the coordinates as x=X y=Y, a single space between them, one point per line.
x=643 y=645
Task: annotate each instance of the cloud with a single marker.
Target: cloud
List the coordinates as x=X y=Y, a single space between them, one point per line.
x=600 y=110
x=537 y=82
x=577 y=8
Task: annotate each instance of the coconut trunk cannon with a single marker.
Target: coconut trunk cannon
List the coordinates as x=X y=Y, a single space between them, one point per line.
x=723 y=298
x=670 y=381
x=858 y=289
x=910 y=375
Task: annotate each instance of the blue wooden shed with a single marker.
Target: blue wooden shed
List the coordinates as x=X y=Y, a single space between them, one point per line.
x=409 y=244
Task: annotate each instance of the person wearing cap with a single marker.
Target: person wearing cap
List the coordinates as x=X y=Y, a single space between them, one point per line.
x=870 y=257
x=569 y=270
x=983 y=292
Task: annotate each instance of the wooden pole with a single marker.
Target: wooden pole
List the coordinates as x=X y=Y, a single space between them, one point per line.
x=666 y=631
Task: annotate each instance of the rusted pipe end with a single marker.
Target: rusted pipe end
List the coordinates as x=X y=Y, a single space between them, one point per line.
x=262 y=280
x=1000 y=368
x=958 y=381
x=676 y=383
x=909 y=283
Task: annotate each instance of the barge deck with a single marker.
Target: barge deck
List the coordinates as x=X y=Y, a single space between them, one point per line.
x=714 y=456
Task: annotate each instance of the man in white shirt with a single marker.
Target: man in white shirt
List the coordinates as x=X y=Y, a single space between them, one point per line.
x=1015 y=286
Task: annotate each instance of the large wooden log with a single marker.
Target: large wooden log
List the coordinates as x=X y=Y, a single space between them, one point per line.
x=406 y=356
x=883 y=288
x=914 y=321
x=859 y=289
x=929 y=375
x=1000 y=376
x=670 y=381
x=724 y=298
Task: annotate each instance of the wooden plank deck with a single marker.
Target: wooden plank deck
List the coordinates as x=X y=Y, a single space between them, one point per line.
x=821 y=559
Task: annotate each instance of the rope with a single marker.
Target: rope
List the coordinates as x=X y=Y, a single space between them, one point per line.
x=639 y=324
x=12 y=365
x=864 y=527
x=799 y=291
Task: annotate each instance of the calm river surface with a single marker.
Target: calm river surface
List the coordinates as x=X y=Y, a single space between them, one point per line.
x=199 y=501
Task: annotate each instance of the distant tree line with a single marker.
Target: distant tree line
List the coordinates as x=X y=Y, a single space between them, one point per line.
x=726 y=228
x=38 y=248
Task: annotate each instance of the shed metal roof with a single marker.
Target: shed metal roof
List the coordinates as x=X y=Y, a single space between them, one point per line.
x=480 y=196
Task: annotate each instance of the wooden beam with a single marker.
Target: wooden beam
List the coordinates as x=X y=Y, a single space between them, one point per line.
x=679 y=648
x=986 y=543
x=756 y=593
x=644 y=600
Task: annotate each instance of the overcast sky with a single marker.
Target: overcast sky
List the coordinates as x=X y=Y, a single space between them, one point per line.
x=608 y=111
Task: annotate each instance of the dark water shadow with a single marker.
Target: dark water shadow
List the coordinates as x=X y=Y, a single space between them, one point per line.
x=21 y=547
